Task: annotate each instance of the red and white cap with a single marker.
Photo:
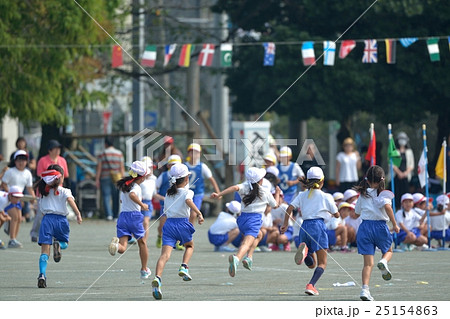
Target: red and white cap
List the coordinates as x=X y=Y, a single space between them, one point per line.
x=419 y=197
x=15 y=191
x=49 y=176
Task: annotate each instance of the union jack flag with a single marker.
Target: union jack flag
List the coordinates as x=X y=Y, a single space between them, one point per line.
x=370 y=52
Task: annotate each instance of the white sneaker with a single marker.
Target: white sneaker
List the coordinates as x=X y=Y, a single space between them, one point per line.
x=385 y=273
x=114 y=246
x=146 y=273
x=365 y=295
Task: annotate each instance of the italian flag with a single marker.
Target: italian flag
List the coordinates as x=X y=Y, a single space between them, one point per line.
x=185 y=55
x=149 y=56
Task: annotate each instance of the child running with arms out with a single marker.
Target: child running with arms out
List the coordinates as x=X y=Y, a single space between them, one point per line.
x=315 y=206
x=54 y=227
x=178 y=207
x=374 y=206
x=130 y=222
x=255 y=199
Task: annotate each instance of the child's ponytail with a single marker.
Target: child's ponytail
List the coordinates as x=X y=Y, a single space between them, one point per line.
x=173 y=189
x=374 y=175
x=251 y=196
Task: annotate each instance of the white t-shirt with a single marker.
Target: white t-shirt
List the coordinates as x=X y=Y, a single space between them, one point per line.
x=175 y=206
x=367 y=208
x=223 y=224
x=297 y=224
x=318 y=205
x=267 y=220
x=352 y=222
x=267 y=185
x=55 y=204
x=332 y=223
x=410 y=220
x=280 y=213
x=259 y=204
x=127 y=204
x=348 y=169
x=440 y=222
x=4 y=201
x=14 y=177
x=148 y=188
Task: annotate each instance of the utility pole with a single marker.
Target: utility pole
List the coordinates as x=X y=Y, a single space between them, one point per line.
x=138 y=44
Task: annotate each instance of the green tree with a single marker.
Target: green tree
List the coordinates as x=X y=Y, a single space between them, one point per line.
x=47 y=57
x=406 y=91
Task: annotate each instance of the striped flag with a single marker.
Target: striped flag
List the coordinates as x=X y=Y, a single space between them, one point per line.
x=390 y=50
x=168 y=52
x=308 y=53
x=269 y=53
x=329 y=52
x=206 y=55
x=433 y=49
x=346 y=47
x=185 y=55
x=406 y=42
x=370 y=52
x=149 y=56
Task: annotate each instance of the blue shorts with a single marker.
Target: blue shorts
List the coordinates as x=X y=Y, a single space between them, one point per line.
x=289 y=233
x=54 y=226
x=217 y=240
x=288 y=198
x=371 y=234
x=437 y=234
x=149 y=212
x=130 y=223
x=331 y=237
x=177 y=229
x=402 y=234
x=198 y=200
x=314 y=234
x=249 y=223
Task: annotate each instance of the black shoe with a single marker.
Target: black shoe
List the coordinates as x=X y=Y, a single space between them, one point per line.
x=42 y=281
x=34 y=239
x=56 y=251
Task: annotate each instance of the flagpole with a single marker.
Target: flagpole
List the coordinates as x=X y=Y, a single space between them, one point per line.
x=372 y=159
x=391 y=170
x=444 y=188
x=425 y=155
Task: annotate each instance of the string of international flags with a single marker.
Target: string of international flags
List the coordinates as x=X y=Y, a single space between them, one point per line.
x=206 y=55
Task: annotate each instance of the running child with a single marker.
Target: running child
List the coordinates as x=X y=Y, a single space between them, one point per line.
x=290 y=173
x=54 y=229
x=315 y=206
x=374 y=207
x=179 y=207
x=130 y=221
x=255 y=199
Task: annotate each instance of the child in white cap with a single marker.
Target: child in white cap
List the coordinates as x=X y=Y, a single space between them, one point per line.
x=181 y=212
x=255 y=199
x=130 y=221
x=315 y=206
x=225 y=229
x=374 y=207
x=199 y=173
x=162 y=185
x=440 y=220
x=54 y=227
x=409 y=222
x=290 y=173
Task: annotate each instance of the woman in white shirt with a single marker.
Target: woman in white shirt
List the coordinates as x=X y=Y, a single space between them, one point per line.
x=348 y=163
x=255 y=199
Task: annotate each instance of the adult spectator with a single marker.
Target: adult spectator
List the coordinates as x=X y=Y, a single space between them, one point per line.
x=53 y=157
x=348 y=164
x=403 y=172
x=110 y=168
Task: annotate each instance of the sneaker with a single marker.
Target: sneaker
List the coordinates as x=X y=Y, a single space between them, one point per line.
x=56 y=251
x=287 y=247
x=225 y=249
x=114 y=246
x=158 y=242
x=2 y=245
x=365 y=295
x=42 y=281
x=146 y=273
x=234 y=262
x=311 y=290
x=132 y=241
x=14 y=243
x=6 y=228
x=301 y=253
x=34 y=239
x=184 y=272
x=178 y=246
x=265 y=249
x=385 y=273
x=274 y=247
x=109 y=218
x=156 y=285
x=247 y=263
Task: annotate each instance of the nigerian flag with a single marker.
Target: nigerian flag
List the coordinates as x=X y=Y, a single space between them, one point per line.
x=394 y=154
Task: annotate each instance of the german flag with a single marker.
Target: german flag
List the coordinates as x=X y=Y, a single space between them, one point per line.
x=390 y=50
